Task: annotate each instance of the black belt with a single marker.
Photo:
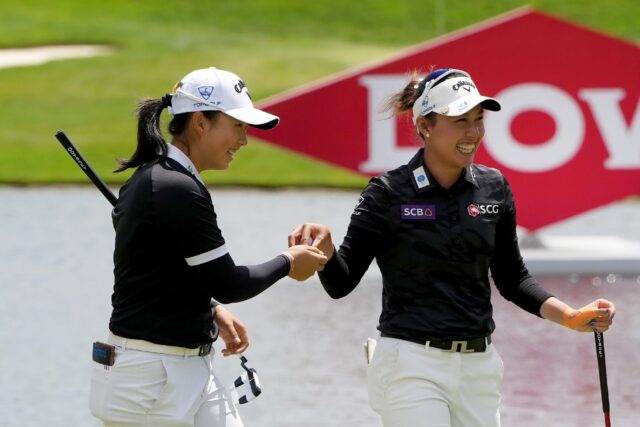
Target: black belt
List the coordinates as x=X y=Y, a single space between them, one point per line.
x=476 y=345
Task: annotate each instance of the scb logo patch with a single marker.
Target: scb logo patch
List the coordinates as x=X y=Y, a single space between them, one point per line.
x=474 y=210
x=418 y=212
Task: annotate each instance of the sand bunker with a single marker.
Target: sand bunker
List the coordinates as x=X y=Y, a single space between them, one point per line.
x=39 y=55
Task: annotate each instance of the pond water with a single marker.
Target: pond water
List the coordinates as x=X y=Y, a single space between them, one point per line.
x=55 y=285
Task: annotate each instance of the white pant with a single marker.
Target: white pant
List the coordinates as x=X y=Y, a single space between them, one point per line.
x=152 y=389
x=412 y=385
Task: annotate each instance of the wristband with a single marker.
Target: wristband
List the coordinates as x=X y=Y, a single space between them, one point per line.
x=573 y=319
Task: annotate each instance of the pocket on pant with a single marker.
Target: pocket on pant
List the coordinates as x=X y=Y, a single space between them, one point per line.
x=381 y=370
x=129 y=389
x=98 y=391
x=499 y=362
x=183 y=392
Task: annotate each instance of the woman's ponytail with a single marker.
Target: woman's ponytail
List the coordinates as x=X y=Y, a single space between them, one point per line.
x=151 y=144
x=403 y=101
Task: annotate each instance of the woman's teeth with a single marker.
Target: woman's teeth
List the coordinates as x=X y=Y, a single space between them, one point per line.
x=466 y=148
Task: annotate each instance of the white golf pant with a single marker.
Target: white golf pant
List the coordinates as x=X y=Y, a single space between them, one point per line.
x=152 y=389
x=413 y=385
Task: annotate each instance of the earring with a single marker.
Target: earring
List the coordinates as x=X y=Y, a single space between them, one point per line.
x=427 y=134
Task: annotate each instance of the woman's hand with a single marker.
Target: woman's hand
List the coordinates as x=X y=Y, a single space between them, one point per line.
x=316 y=235
x=305 y=261
x=597 y=316
x=232 y=331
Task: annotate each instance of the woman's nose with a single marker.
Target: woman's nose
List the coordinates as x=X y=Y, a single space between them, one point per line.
x=243 y=137
x=474 y=130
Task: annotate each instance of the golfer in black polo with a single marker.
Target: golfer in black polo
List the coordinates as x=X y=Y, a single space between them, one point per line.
x=170 y=260
x=436 y=227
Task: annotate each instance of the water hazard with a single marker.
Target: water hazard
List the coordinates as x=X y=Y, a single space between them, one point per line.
x=55 y=282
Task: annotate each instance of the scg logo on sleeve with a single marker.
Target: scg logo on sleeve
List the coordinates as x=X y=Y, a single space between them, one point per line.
x=418 y=212
x=475 y=210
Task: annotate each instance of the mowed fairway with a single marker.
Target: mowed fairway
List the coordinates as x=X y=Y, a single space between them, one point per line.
x=274 y=45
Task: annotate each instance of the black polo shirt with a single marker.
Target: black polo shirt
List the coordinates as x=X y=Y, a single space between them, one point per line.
x=435 y=248
x=170 y=258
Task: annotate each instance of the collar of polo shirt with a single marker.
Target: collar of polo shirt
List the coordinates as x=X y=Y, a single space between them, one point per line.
x=177 y=155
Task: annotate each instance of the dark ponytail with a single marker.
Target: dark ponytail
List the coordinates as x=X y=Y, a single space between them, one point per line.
x=403 y=101
x=151 y=144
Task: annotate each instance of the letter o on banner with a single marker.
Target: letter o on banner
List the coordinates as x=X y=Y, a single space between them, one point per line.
x=555 y=152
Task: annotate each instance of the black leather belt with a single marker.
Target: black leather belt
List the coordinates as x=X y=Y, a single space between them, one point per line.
x=476 y=345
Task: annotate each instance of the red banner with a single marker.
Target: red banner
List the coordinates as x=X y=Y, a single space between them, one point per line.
x=567 y=139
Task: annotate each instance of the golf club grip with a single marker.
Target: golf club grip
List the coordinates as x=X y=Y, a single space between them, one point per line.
x=602 y=370
x=80 y=161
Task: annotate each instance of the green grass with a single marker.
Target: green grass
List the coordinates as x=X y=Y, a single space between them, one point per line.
x=274 y=45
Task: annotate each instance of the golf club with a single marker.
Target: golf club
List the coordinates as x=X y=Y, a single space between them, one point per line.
x=602 y=371
x=79 y=159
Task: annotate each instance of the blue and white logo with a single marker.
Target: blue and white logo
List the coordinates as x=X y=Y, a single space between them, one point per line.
x=426 y=107
x=421 y=177
x=205 y=91
x=462 y=105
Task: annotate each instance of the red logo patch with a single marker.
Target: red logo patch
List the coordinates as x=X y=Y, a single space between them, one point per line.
x=473 y=210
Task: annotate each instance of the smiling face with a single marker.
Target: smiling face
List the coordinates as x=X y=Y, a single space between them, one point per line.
x=452 y=142
x=218 y=141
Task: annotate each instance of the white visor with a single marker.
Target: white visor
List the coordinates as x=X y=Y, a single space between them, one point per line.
x=452 y=97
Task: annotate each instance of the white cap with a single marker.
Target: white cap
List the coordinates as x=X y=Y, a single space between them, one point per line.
x=452 y=97
x=210 y=89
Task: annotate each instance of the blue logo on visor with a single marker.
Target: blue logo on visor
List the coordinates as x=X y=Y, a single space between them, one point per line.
x=205 y=91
